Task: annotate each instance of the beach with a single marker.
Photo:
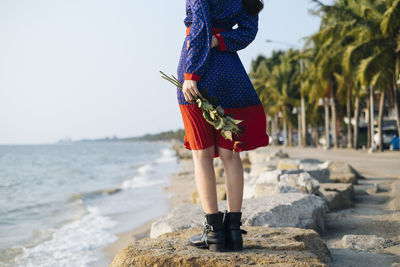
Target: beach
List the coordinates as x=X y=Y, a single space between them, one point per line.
x=373 y=212
x=179 y=192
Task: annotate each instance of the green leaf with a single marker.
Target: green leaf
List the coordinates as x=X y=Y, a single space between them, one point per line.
x=218 y=124
x=206 y=116
x=207 y=106
x=220 y=111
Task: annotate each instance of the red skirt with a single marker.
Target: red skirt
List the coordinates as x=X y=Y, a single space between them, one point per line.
x=199 y=134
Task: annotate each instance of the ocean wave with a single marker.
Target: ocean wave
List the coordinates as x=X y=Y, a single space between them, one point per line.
x=168 y=155
x=74 y=244
x=143 y=173
x=94 y=194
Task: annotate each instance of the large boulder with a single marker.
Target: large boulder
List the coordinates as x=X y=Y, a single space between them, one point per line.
x=394 y=204
x=289 y=164
x=262 y=184
x=337 y=195
x=278 y=181
x=301 y=182
x=281 y=210
x=262 y=246
x=341 y=172
x=336 y=172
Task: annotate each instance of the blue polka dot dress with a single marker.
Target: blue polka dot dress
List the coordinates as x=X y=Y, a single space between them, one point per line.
x=219 y=73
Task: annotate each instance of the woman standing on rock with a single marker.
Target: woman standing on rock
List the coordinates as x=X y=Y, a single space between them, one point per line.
x=210 y=67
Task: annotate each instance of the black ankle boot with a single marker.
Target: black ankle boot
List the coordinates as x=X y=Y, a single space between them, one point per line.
x=233 y=233
x=213 y=236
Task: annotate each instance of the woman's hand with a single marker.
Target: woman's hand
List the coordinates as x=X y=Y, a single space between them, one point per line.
x=190 y=90
x=214 y=42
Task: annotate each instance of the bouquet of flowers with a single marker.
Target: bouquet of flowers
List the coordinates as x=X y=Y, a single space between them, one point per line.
x=213 y=115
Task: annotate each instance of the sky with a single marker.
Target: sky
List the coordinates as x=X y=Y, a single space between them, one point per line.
x=90 y=68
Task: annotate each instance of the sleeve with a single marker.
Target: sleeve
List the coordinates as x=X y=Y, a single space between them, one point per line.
x=199 y=39
x=241 y=37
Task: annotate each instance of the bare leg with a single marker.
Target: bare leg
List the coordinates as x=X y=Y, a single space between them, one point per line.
x=205 y=179
x=234 y=178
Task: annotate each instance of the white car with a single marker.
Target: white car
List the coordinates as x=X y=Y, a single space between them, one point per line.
x=388 y=136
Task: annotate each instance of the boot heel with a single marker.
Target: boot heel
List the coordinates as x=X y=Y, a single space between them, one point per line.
x=237 y=246
x=216 y=247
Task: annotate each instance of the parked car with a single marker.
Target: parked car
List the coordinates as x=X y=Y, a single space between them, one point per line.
x=388 y=134
x=395 y=144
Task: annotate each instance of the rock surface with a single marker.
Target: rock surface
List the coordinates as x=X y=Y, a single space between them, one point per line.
x=262 y=247
x=279 y=181
x=288 y=164
x=336 y=172
x=337 y=195
x=340 y=172
x=281 y=210
x=363 y=242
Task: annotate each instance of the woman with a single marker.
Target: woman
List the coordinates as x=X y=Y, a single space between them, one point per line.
x=210 y=67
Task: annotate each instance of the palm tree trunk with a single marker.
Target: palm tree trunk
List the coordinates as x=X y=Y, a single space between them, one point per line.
x=368 y=114
x=396 y=103
x=299 y=132
x=348 y=106
x=285 y=131
x=356 y=121
x=333 y=111
x=315 y=135
x=276 y=129
x=303 y=122
x=380 y=120
x=334 y=129
x=372 y=115
x=290 y=135
x=326 y=107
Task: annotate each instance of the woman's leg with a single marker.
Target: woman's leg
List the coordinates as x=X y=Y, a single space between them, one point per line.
x=234 y=178
x=205 y=179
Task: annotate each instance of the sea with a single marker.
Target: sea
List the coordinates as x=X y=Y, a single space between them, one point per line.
x=62 y=204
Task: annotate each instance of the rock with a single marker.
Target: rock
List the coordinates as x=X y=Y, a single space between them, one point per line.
x=282 y=155
x=262 y=247
x=289 y=164
x=320 y=174
x=363 y=242
x=337 y=172
x=219 y=174
x=337 y=195
x=261 y=190
x=340 y=172
x=256 y=157
x=394 y=204
x=281 y=210
x=273 y=182
x=374 y=189
x=181 y=151
x=311 y=164
x=257 y=169
x=269 y=177
x=245 y=157
x=302 y=182
x=221 y=194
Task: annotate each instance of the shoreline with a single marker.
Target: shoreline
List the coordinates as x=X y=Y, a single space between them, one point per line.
x=177 y=194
